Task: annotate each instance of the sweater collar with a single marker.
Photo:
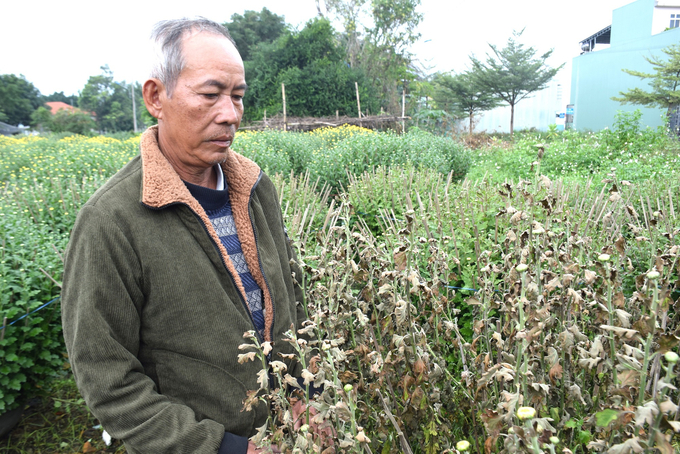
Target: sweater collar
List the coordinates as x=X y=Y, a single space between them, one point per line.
x=162 y=186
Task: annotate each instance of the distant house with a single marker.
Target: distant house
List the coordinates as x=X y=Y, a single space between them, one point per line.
x=639 y=29
x=9 y=130
x=56 y=106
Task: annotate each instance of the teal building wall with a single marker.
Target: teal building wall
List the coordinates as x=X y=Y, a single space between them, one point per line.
x=597 y=76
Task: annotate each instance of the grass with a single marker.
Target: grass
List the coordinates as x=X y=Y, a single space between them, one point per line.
x=57 y=421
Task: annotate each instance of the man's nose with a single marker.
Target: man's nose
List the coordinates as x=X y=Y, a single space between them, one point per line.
x=229 y=113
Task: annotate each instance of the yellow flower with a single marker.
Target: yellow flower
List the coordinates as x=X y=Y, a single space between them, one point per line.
x=463 y=445
x=526 y=413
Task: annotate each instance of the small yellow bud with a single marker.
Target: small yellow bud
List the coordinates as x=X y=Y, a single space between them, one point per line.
x=554 y=440
x=348 y=388
x=463 y=445
x=522 y=267
x=526 y=413
x=603 y=258
x=653 y=275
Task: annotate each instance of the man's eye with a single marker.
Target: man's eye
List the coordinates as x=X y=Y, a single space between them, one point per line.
x=210 y=95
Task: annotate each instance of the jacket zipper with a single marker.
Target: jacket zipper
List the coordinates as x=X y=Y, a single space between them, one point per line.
x=259 y=259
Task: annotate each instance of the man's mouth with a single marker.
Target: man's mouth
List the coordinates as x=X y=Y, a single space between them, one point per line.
x=222 y=141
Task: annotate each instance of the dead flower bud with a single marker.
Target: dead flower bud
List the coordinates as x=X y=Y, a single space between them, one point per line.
x=362 y=438
x=302 y=342
x=278 y=366
x=307 y=376
x=266 y=348
x=249 y=334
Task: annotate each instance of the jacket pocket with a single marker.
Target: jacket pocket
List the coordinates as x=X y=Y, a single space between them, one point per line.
x=212 y=392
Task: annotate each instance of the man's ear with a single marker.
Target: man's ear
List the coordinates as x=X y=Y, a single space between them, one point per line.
x=151 y=91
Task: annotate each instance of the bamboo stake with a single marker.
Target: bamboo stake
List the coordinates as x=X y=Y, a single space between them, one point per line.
x=403 y=109
x=283 y=93
x=356 y=85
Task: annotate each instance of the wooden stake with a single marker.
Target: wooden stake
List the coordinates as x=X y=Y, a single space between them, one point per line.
x=403 y=109
x=265 y=118
x=356 y=85
x=4 y=324
x=337 y=115
x=283 y=93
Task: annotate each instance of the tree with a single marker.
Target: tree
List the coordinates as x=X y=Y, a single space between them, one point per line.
x=513 y=73
x=665 y=82
x=41 y=119
x=311 y=63
x=461 y=93
x=77 y=122
x=110 y=101
x=349 y=11
x=18 y=99
x=253 y=29
x=381 y=49
x=60 y=97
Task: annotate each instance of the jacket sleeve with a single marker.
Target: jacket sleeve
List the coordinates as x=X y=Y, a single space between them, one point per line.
x=102 y=300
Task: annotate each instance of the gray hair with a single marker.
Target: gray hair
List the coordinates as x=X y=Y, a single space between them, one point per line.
x=167 y=37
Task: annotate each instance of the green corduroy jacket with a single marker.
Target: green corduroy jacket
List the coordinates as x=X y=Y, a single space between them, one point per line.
x=154 y=312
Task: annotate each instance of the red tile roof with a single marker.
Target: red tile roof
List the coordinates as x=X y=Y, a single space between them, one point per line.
x=56 y=106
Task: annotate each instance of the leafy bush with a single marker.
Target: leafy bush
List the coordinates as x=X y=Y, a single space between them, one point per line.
x=45 y=181
x=635 y=153
x=360 y=153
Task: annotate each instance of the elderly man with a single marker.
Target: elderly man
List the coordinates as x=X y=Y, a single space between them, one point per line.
x=174 y=258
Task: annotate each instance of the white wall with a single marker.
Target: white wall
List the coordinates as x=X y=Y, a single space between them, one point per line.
x=538 y=111
x=662 y=15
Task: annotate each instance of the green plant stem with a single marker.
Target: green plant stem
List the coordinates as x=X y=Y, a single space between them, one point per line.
x=648 y=344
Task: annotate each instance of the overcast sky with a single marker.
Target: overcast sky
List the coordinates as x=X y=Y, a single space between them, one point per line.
x=57 y=45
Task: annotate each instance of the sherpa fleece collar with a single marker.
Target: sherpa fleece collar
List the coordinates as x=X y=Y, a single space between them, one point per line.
x=162 y=186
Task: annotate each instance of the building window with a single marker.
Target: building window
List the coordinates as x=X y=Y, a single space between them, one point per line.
x=675 y=21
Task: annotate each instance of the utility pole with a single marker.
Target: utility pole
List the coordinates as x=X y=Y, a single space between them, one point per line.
x=134 y=109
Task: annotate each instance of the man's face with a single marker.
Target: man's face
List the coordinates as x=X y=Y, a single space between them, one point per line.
x=198 y=123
